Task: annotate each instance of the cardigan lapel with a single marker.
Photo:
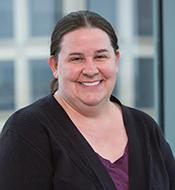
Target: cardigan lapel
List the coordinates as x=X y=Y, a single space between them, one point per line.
x=138 y=151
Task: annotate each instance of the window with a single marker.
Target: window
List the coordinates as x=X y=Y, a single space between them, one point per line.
x=106 y=9
x=43 y=15
x=144 y=83
x=6 y=85
x=143 y=17
x=6 y=19
x=41 y=77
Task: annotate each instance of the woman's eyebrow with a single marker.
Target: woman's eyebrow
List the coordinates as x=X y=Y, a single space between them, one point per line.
x=101 y=51
x=76 y=53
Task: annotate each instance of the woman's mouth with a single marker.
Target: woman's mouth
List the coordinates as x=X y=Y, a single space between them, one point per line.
x=95 y=83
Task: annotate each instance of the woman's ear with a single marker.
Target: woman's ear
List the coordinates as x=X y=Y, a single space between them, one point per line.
x=53 y=65
x=117 y=56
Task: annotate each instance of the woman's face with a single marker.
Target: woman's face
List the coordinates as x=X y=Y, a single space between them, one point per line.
x=86 y=67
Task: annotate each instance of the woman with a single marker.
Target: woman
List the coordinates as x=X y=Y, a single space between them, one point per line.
x=81 y=137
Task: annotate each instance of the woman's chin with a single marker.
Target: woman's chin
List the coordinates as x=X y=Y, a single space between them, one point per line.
x=92 y=101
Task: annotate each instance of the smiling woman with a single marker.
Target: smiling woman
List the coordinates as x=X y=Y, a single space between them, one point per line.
x=80 y=136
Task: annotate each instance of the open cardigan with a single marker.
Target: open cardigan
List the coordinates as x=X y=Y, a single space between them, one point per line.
x=41 y=149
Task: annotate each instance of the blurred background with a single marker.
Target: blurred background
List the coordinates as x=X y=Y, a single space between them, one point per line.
x=146 y=38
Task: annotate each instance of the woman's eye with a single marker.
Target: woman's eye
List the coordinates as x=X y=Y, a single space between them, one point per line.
x=76 y=59
x=100 y=57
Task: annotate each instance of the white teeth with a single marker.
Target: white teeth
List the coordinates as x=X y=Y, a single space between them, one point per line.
x=91 y=83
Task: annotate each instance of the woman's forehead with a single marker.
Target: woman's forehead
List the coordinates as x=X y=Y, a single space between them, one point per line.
x=86 y=37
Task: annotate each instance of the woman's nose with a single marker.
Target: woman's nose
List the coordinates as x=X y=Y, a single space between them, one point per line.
x=90 y=69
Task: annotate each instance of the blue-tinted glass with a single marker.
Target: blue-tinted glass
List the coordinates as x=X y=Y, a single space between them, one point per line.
x=43 y=15
x=144 y=83
x=40 y=78
x=6 y=85
x=104 y=8
x=6 y=19
x=143 y=17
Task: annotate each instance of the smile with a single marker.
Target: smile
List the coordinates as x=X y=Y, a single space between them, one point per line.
x=91 y=83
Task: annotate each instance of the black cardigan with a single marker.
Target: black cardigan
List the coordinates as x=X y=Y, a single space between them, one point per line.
x=41 y=149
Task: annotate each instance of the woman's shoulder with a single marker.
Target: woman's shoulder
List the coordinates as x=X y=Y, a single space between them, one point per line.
x=24 y=129
x=29 y=121
x=139 y=121
x=137 y=115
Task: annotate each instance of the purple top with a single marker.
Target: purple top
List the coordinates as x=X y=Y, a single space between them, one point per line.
x=118 y=170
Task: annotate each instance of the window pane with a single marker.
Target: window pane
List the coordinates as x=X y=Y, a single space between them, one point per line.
x=40 y=78
x=6 y=85
x=106 y=9
x=6 y=19
x=144 y=17
x=144 y=85
x=43 y=15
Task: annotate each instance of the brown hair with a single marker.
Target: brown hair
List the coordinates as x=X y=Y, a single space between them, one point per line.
x=76 y=20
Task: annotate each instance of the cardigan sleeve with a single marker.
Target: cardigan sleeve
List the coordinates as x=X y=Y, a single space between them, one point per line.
x=21 y=165
x=160 y=151
x=168 y=158
x=166 y=152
